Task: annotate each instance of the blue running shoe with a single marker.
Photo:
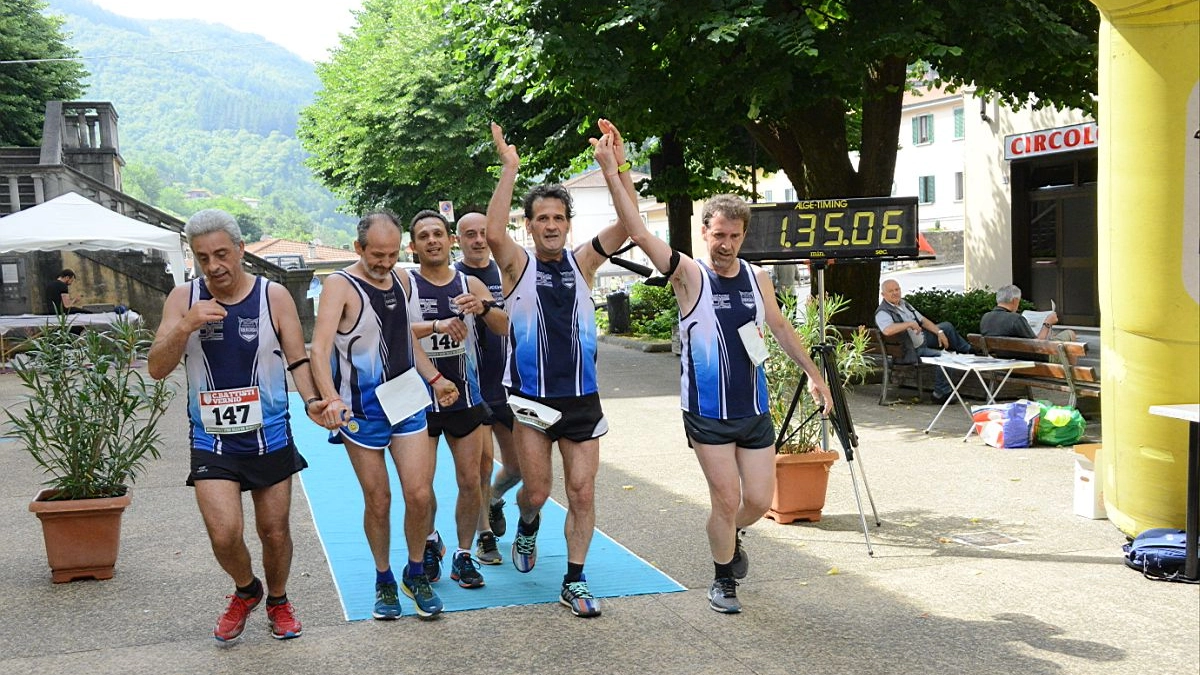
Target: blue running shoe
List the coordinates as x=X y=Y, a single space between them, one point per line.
x=424 y=597
x=575 y=595
x=524 y=551
x=387 y=602
x=434 y=550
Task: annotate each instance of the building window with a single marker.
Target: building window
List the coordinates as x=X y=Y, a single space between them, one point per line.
x=789 y=195
x=925 y=190
x=769 y=195
x=922 y=128
x=958 y=186
x=960 y=125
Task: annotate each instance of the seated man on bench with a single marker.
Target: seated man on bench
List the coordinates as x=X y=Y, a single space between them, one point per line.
x=895 y=316
x=1005 y=321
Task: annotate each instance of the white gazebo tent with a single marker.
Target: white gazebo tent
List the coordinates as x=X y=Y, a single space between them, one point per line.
x=73 y=222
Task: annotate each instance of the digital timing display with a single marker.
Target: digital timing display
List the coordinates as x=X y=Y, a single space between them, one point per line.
x=820 y=229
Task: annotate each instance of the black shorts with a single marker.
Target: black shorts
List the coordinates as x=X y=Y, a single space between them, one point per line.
x=499 y=413
x=250 y=471
x=745 y=432
x=582 y=418
x=456 y=423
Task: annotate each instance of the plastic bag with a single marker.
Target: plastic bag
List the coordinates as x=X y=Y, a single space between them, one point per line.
x=1059 y=424
x=1007 y=425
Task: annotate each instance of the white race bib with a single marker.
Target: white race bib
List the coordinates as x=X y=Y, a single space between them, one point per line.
x=403 y=396
x=752 y=339
x=441 y=345
x=231 y=411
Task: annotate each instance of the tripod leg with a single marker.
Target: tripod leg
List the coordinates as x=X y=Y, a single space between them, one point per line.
x=862 y=516
x=867 y=486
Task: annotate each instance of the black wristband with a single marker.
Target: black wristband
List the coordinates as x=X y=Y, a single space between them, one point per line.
x=487 y=307
x=310 y=401
x=297 y=363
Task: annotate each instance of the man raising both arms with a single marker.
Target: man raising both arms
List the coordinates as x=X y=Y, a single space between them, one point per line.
x=477 y=262
x=551 y=376
x=362 y=341
x=723 y=390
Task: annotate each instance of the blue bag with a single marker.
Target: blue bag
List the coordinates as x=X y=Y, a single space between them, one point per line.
x=1159 y=554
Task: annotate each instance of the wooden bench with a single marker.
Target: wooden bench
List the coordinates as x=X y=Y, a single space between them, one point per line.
x=885 y=352
x=1058 y=368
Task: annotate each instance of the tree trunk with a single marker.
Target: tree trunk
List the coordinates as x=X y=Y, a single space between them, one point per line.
x=810 y=145
x=667 y=164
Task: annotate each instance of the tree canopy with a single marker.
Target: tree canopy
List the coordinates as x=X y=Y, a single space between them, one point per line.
x=396 y=125
x=689 y=83
x=27 y=81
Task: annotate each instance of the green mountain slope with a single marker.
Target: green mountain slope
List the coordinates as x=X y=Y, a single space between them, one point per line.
x=204 y=106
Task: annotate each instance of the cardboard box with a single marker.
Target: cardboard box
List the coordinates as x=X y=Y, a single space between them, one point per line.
x=1089 y=491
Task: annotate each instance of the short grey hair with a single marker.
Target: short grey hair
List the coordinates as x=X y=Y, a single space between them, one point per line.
x=212 y=220
x=1006 y=294
x=369 y=219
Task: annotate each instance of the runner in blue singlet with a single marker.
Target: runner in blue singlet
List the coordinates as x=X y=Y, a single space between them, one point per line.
x=723 y=304
x=362 y=342
x=238 y=335
x=446 y=306
x=493 y=351
x=552 y=364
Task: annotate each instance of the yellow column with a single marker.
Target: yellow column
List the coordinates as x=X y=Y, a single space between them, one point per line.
x=1149 y=258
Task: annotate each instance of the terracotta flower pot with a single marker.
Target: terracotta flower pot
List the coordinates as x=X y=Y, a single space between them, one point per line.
x=800 y=483
x=82 y=535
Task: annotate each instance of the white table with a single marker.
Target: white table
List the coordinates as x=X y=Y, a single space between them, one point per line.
x=1189 y=412
x=23 y=326
x=967 y=364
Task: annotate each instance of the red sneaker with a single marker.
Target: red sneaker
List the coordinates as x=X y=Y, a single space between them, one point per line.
x=284 y=624
x=231 y=624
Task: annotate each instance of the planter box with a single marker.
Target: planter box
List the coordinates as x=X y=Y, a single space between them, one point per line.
x=800 y=483
x=82 y=536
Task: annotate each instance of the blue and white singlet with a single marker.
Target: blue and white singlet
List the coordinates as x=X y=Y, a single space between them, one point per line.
x=238 y=352
x=552 y=331
x=493 y=348
x=456 y=361
x=377 y=349
x=718 y=379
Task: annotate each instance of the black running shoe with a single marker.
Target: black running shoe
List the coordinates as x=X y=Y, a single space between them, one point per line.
x=496 y=519
x=741 y=560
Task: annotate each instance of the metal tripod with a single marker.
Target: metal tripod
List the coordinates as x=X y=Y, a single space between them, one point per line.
x=840 y=420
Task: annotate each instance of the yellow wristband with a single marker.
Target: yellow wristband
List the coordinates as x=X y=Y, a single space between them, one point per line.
x=624 y=167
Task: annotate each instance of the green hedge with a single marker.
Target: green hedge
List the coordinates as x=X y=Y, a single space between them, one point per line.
x=964 y=310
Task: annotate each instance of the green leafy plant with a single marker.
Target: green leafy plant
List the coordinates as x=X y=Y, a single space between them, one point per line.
x=964 y=310
x=783 y=375
x=90 y=417
x=653 y=311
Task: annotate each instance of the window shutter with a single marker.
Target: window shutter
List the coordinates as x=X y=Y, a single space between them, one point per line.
x=916 y=125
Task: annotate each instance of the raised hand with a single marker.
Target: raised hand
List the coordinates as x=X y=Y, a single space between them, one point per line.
x=507 y=153
x=607 y=127
x=605 y=154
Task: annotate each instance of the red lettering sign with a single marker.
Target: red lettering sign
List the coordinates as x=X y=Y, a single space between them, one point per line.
x=1050 y=141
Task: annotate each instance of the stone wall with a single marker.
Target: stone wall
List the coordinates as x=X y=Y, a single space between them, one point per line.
x=949 y=247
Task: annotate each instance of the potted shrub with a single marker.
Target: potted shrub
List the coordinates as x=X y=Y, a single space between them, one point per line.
x=802 y=463
x=89 y=421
